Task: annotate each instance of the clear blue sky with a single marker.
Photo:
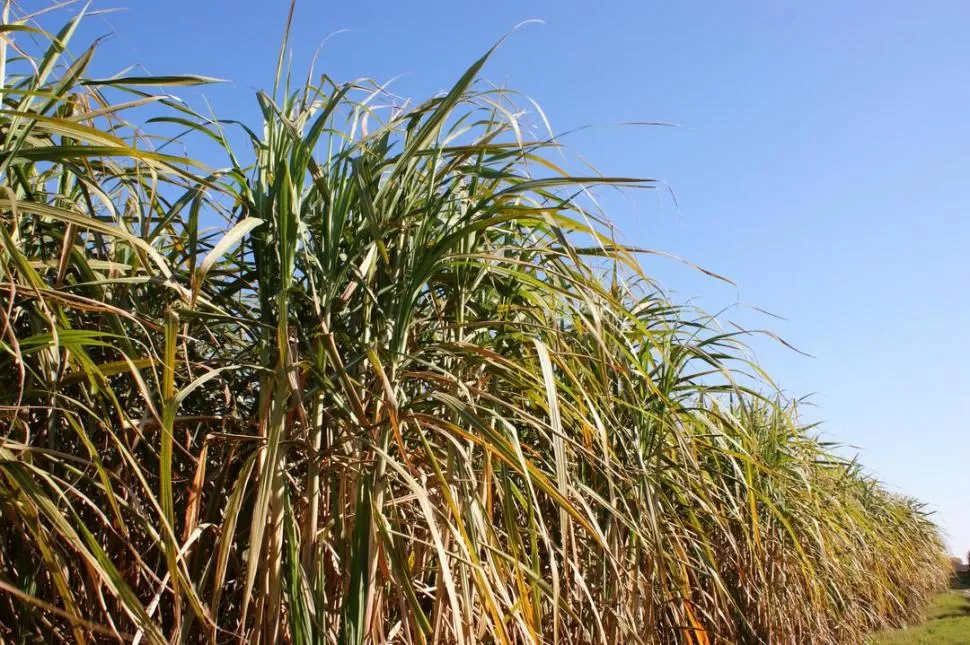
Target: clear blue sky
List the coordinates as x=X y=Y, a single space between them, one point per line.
x=821 y=161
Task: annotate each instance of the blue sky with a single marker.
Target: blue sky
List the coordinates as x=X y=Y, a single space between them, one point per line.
x=820 y=160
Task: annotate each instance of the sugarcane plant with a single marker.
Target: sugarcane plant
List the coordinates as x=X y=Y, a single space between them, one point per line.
x=383 y=373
